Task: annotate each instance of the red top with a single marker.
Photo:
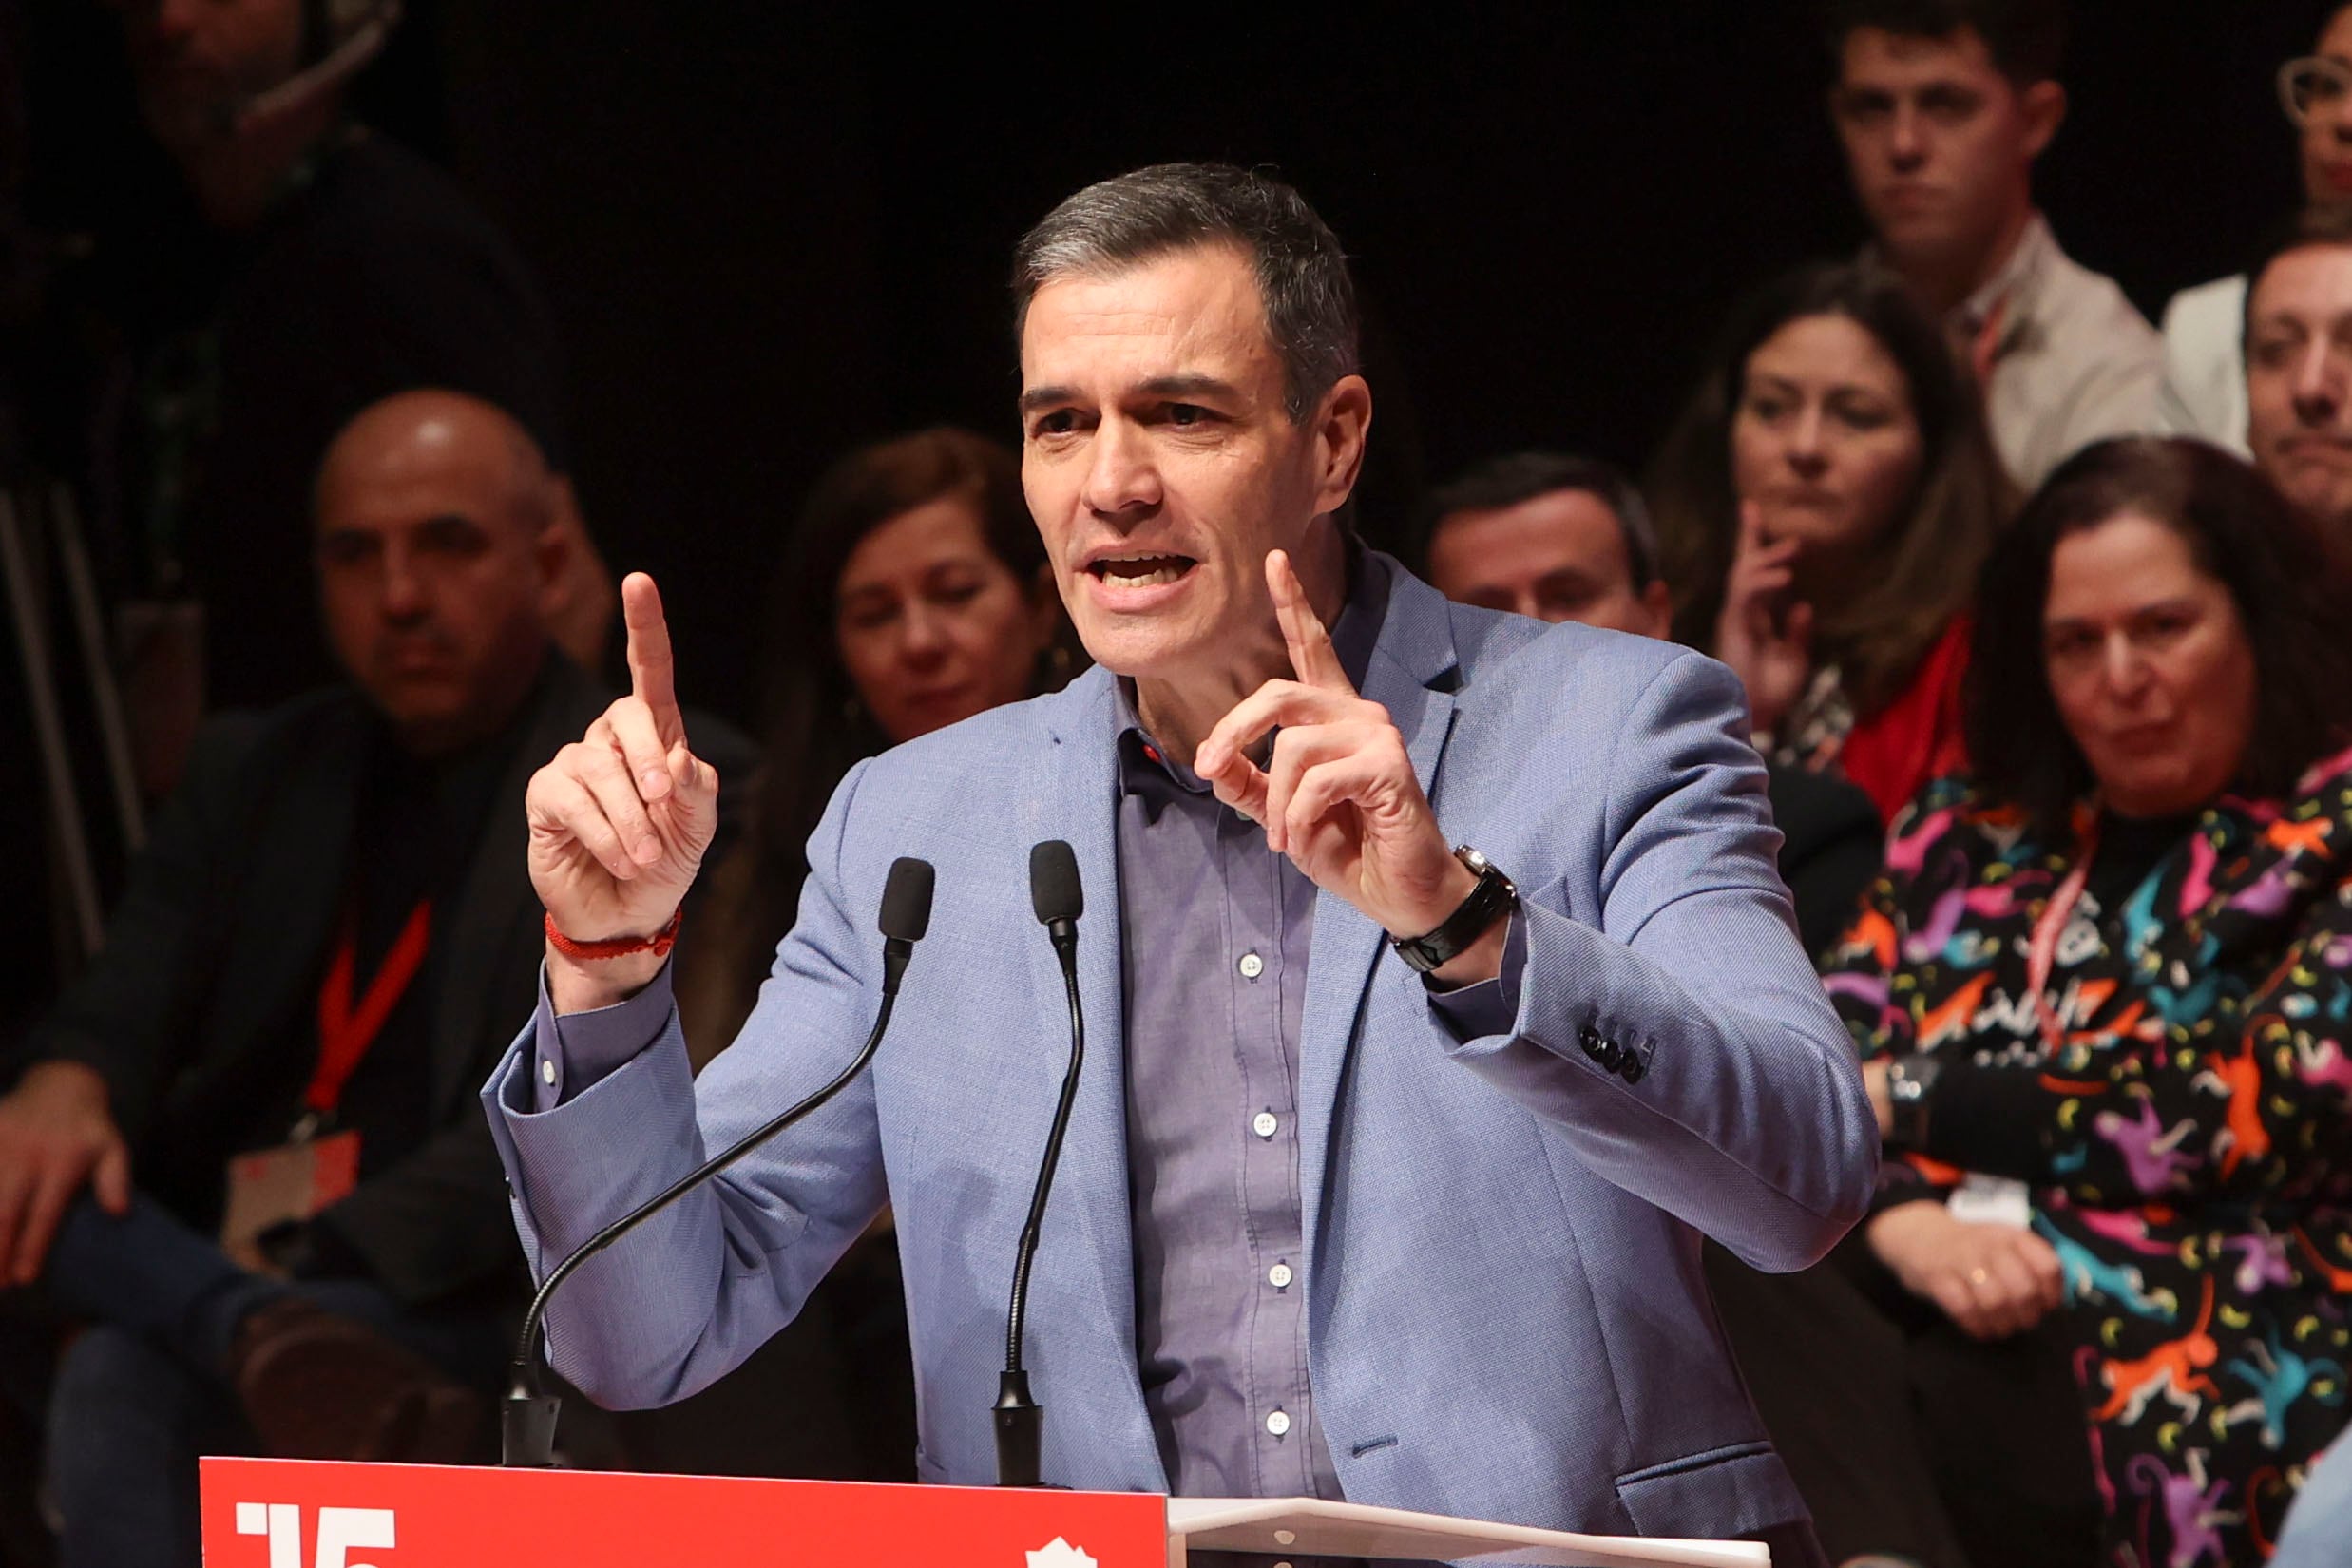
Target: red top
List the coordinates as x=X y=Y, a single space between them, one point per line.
x=1917 y=736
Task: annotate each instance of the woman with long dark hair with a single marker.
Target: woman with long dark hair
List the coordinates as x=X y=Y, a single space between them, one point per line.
x=2102 y=992
x=1823 y=505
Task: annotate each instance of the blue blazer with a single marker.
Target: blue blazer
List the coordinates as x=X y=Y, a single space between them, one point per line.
x=1505 y=1316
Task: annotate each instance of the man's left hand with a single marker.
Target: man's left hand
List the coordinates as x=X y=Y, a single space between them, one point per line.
x=1337 y=793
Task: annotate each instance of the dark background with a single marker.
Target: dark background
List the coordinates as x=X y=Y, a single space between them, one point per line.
x=770 y=231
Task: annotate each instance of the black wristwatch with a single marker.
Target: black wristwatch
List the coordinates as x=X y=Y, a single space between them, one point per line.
x=1910 y=1081
x=1493 y=898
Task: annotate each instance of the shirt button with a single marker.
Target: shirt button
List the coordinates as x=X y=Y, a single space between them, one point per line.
x=546 y=1070
x=1278 y=1276
x=1251 y=966
x=1277 y=1424
x=1264 y=1123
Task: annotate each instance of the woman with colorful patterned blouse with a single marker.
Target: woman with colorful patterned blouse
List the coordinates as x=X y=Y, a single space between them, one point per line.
x=2104 y=993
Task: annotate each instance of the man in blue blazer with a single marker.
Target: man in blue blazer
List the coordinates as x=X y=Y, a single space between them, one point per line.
x=1416 y=1227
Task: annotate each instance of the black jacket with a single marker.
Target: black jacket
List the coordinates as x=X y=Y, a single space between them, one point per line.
x=215 y=947
x=1832 y=843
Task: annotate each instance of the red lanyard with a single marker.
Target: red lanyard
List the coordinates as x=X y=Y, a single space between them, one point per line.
x=346 y=1032
x=2042 y=954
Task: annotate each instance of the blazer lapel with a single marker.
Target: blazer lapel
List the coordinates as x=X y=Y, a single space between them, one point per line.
x=1409 y=675
x=291 y=898
x=1077 y=798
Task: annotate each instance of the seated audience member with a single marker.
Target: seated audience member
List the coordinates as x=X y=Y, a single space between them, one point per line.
x=915 y=593
x=2297 y=335
x=2205 y=366
x=1563 y=538
x=2100 y=996
x=321 y=950
x=1943 y=107
x=1823 y=505
x=318 y=269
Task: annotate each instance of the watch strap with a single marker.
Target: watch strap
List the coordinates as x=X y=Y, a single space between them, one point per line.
x=1492 y=897
x=1910 y=1083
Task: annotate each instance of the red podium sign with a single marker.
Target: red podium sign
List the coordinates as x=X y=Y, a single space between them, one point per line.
x=261 y=1513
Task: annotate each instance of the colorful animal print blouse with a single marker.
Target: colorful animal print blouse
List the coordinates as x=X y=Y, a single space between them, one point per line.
x=2178 y=1095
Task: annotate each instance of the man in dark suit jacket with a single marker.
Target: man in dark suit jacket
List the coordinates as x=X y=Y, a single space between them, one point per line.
x=322 y=951
x=1562 y=538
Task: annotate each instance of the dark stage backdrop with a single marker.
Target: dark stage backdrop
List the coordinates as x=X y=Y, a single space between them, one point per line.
x=773 y=230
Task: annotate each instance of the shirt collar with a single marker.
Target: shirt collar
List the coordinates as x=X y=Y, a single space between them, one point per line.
x=1353 y=636
x=2020 y=274
x=2014 y=282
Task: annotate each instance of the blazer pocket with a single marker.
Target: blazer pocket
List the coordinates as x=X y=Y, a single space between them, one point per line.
x=1713 y=1495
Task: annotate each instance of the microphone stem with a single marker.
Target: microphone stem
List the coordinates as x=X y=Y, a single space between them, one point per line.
x=1065 y=947
x=525 y=1387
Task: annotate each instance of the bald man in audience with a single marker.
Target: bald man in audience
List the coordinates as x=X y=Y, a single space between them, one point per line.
x=242 y=1154
x=1565 y=538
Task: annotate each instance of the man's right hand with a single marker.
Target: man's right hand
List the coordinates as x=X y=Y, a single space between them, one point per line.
x=1993 y=1280
x=55 y=1134
x=620 y=820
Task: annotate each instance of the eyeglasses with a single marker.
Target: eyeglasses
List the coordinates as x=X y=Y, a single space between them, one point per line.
x=2312 y=86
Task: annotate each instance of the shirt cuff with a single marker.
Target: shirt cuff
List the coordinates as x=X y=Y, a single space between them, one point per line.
x=1489 y=1006
x=576 y=1050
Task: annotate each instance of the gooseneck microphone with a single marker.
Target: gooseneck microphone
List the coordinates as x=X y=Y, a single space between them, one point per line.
x=1059 y=898
x=526 y=1423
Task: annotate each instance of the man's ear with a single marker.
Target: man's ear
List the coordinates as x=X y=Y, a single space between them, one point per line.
x=1341 y=421
x=578 y=599
x=558 y=538
x=2043 y=105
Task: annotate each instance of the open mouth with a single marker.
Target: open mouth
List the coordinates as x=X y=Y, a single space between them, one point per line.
x=1140 y=571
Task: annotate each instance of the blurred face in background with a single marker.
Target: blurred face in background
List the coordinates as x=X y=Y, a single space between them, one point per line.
x=2298 y=380
x=1556 y=557
x=932 y=627
x=2320 y=100
x=1939 y=144
x=438 y=560
x=1825 y=440
x=2149 y=664
x=195 y=60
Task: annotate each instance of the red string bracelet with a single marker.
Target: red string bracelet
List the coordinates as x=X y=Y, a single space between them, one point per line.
x=659 y=944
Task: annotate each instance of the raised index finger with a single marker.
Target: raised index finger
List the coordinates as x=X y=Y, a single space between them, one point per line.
x=650 y=678
x=1312 y=657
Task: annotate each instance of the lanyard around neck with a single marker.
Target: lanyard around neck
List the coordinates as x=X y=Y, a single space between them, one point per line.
x=345 y=1031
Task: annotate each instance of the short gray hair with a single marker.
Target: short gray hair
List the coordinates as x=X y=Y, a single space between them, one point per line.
x=1302 y=273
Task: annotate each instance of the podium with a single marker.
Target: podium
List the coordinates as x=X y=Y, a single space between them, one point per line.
x=263 y=1513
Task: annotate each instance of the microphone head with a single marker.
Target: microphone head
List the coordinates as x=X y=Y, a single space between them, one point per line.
x=1054 y=890
x=907 y=899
